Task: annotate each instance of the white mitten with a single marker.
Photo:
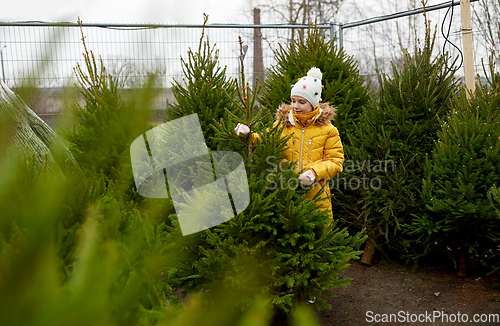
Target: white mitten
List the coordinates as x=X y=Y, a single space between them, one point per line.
x=241 y=129
x=307 y=178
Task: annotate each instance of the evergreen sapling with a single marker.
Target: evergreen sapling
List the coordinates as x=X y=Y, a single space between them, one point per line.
x=204 y=90
x=281 y=246
x=105 y=126
x=465 y=164
x=389 y=146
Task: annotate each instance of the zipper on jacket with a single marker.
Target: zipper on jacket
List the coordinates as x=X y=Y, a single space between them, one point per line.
x=301 y=147
x=293 y=149
x=310 y=159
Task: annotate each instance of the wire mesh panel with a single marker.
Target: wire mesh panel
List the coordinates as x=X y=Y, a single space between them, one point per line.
x=44 y=54
x=378 y=43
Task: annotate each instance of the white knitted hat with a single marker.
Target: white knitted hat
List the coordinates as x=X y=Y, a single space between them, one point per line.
x=309 y=87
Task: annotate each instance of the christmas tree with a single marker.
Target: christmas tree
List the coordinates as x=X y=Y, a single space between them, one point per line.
x=281 y=247
x=204 y=90
x=38 y=144
x=105 y=126
x=381 y=184
x=74 y=250
x=464 y=166
x=491 y=257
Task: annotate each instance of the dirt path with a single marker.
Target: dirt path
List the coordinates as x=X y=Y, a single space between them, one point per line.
x=377 y=292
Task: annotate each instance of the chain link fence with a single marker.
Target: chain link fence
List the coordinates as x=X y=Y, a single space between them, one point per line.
x=44 y=54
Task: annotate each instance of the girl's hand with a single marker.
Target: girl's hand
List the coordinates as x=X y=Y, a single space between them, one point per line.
x=241 y=129
x=307 y=178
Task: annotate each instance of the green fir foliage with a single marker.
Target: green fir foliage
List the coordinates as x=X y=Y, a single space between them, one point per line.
x=381 y=184
x=105 y=126
x=74 y=250
x=281 y=247
x=205 y=89
x=38 y=143
x=494 y=196
x=460 y=179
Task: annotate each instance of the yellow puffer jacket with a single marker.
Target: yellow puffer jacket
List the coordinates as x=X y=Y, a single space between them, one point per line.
x=315 y=146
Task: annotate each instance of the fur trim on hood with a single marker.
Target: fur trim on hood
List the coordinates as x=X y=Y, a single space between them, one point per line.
x=327 y=113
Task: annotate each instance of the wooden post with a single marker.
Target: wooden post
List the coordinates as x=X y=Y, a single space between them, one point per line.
x=258 y=58
x=462 y=266
x=369 y=253
x=470 y=75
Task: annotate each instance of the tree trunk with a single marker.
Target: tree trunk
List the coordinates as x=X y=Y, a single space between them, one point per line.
x=462 y=266
x=369 y=253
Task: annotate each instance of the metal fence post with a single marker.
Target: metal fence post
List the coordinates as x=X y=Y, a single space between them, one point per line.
x=332 y=31
x=341 y=35
x=1 y=59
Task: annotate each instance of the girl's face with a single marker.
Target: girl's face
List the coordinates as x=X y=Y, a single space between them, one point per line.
x=300 y=105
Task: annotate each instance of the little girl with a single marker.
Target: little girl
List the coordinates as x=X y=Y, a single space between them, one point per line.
x=315 y=142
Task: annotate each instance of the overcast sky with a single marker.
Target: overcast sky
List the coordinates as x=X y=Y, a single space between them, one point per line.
x=127 y=11
x=159 y=11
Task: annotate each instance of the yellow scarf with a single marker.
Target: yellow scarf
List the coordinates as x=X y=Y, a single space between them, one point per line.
x=304 y=117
